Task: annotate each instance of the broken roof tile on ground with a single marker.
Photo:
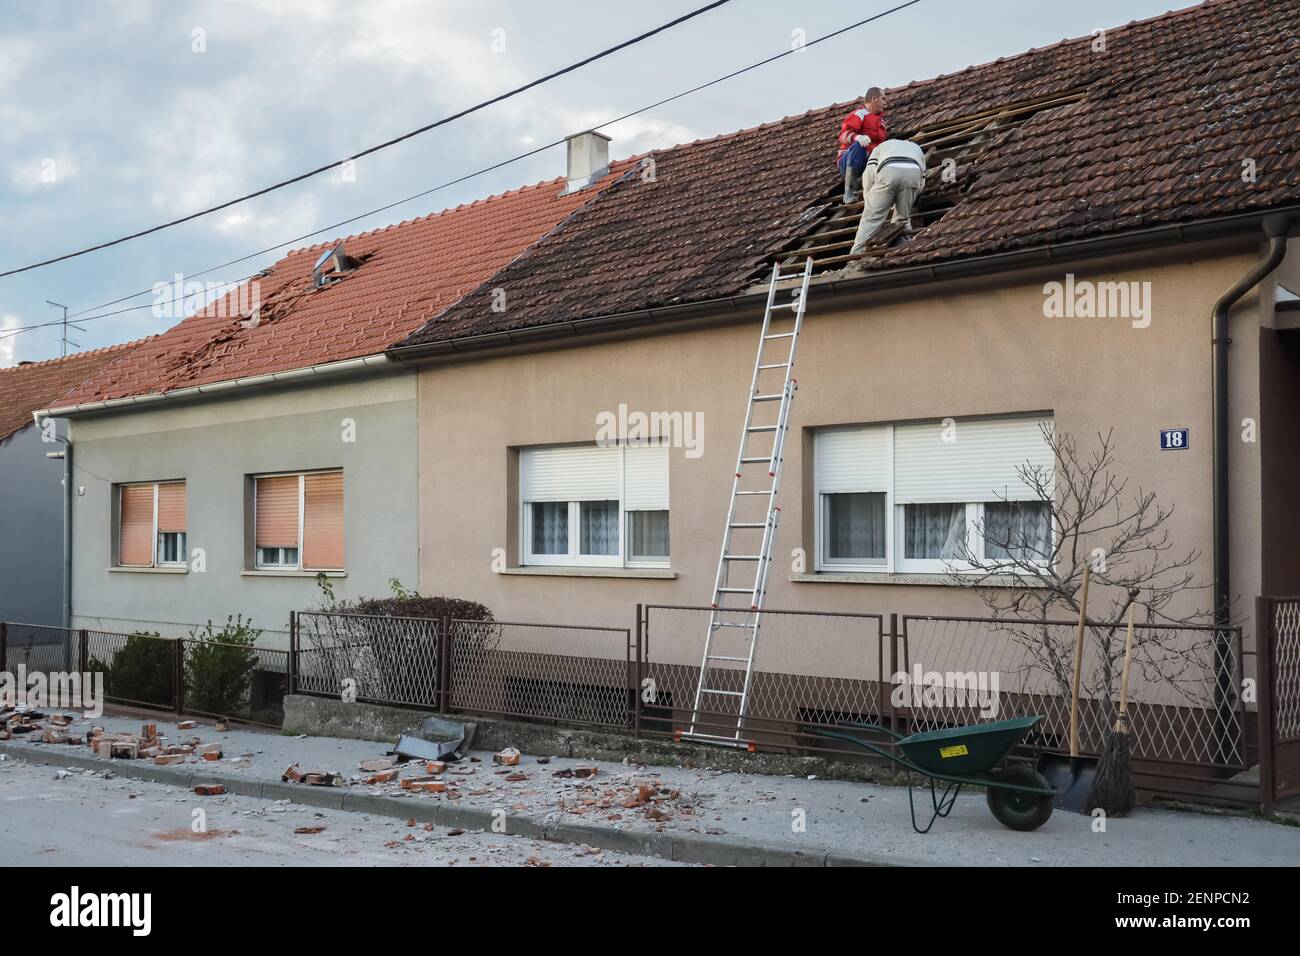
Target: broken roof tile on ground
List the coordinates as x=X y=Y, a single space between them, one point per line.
x=1171 y=109
x=404 y=273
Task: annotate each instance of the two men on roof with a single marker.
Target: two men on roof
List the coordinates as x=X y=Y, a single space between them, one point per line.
x=888 y=174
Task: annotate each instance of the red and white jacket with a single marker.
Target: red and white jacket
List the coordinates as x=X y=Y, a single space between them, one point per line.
x=862 y=122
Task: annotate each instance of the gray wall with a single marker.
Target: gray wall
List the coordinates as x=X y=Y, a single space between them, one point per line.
x=214 y=444
x=31 y=530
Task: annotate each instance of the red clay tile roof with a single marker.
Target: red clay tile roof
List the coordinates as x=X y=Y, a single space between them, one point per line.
x=408 y=272
x=36 y=385
x=1174 y=106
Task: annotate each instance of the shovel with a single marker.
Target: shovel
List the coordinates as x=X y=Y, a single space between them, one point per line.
x=1072 y=775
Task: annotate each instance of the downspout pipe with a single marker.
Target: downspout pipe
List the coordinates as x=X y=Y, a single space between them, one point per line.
x=67 y=532
x=1276 y=229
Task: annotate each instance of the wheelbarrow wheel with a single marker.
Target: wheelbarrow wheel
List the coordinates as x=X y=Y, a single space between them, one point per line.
x=1016 y=809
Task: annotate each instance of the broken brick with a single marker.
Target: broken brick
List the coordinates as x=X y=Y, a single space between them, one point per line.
x=209 y=789
x=184 y=725
x=434 y=766
x=211 y=755
x=508 y=757
x=165 y=759
x=373 y=766
x=383 y=777
x=308 y=829
x=292 y=775
x=424 y=785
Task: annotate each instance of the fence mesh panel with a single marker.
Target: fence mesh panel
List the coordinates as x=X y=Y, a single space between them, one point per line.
x=529 y=671
x=810 y=671
x=380 y=658
x=1286 y=669
x=1184 y=705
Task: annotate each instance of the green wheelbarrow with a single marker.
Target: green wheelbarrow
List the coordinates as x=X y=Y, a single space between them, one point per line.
x=1019 y=796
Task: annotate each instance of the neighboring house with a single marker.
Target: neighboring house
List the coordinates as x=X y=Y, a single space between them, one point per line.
x=1153 y=158
x=268 y=439
x=31 y=483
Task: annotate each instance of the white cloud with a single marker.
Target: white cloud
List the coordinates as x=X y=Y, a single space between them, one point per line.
x=8 y=341
x=43 y=172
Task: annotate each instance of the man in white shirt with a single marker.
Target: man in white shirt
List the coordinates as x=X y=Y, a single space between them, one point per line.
x=894 y=177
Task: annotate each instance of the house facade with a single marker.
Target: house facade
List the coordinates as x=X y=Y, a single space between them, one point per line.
x=265 y=450
x=1049 y=283
x=32 y=498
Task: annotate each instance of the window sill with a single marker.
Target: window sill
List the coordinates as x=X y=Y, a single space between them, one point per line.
x=122 y=569
x=905 y=577
x=269 y=573
x=561 y=571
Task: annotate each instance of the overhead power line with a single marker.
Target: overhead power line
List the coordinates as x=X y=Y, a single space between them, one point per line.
x=446 y=185
x=377 y=147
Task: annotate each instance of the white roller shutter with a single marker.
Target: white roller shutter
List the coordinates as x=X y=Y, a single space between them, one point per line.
x=852 y=459
x=645 y=480
x=980 y=464
x=570 y=473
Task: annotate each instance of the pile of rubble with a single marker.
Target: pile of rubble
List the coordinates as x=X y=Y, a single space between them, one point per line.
x=20 y=721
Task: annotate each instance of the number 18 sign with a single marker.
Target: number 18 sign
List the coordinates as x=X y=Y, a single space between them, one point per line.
x=1173 y=439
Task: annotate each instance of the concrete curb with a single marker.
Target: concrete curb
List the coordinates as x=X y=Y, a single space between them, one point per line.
x=666 y=846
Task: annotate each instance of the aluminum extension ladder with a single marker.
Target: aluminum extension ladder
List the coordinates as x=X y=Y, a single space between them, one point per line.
x=741 y=622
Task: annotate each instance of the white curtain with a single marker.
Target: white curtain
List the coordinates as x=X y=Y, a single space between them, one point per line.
x=1017 y=529
x=855 y=527
x=598 y=523
x=550 y=527
x=648 y=531
x=934 y=531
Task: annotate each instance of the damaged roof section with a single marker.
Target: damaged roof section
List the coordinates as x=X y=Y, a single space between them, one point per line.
x=31 y=386
x=1140 y=125
x=342 y=299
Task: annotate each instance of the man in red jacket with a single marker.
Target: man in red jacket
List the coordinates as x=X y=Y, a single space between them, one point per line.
x=861 y=132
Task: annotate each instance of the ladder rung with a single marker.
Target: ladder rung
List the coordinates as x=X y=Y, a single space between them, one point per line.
x=766 y=398
x=780 y=335
x=775 y=365
x=795 y=275
x=762 y=428
x=714 y=690
x=731 y=623
x=747 y=524
x=742 y=557
x=735 y=591
x=787 y=305
x=755 y=461
x=723 y=657
x=767 y=491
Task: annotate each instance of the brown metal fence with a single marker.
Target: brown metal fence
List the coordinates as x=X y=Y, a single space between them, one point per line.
x=539 y=672
x=1187 y=718
x=812 y=671
x=181 y=675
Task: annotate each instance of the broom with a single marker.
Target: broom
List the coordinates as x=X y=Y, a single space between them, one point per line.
x=1112 y=789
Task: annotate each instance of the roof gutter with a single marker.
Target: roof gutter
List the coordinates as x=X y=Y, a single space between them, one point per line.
x=1038 y=256
x=324 y=370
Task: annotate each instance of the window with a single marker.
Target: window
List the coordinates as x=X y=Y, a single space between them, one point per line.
x=298 y=521
x=595 y=506
x=151 y=525
x=924 y=497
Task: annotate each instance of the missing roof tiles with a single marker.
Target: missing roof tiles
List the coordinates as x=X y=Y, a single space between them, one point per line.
x=953 y=149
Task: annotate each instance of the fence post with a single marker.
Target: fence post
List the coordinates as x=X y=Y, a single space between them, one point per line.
x=636 y=678
x=83 y=651
x=178 y=674
x=4 y=645
x=444 y=664
x=887 y=679
x=1264 y=698
x=293 y=652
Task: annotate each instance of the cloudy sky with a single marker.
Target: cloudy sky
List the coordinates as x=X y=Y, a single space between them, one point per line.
x=119 y=114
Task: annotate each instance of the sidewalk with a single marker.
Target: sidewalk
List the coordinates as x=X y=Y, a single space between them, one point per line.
x=687 y=814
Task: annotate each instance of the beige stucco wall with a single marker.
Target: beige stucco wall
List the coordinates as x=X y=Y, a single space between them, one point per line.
x=928 y=353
